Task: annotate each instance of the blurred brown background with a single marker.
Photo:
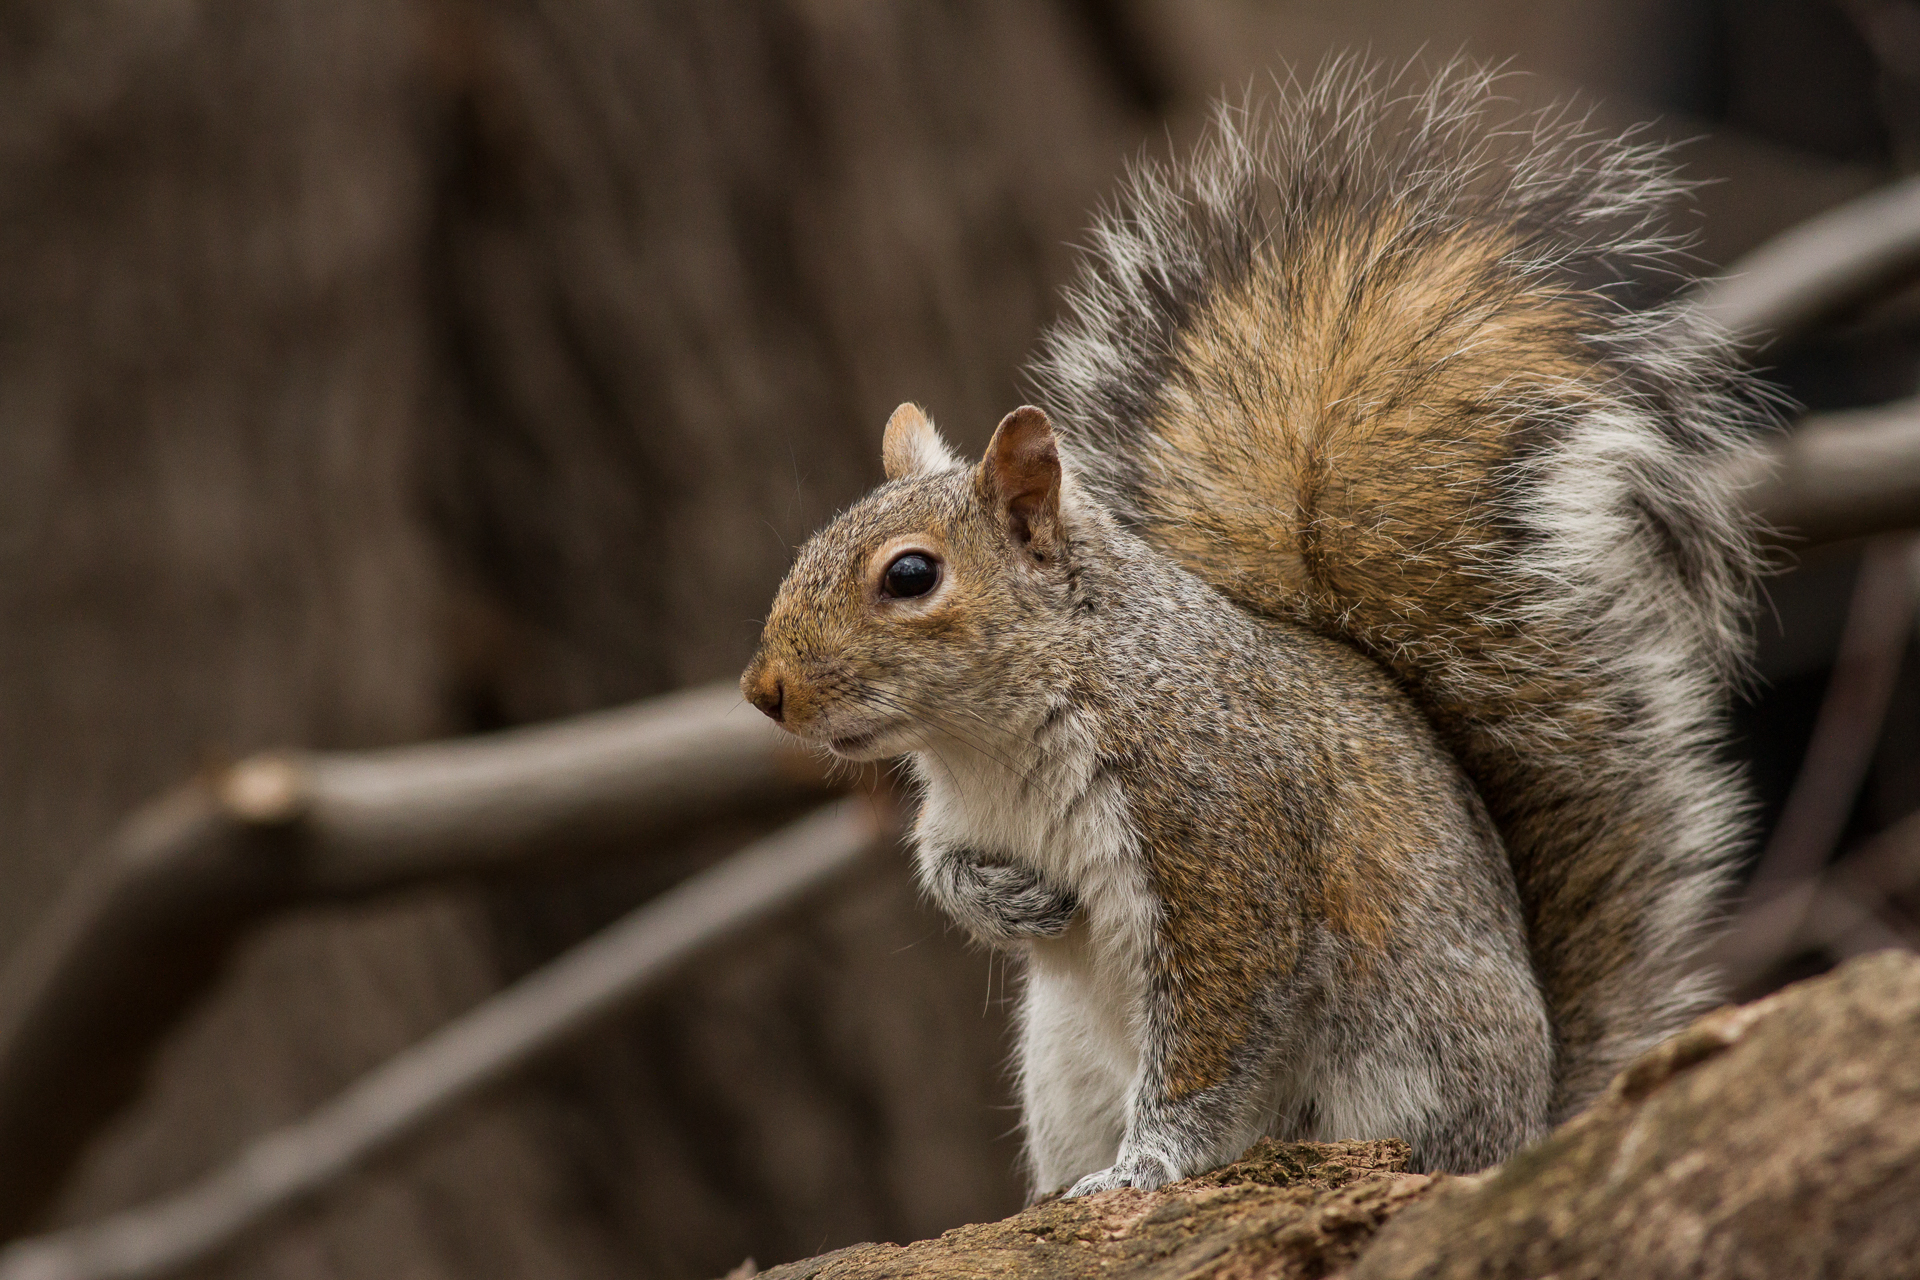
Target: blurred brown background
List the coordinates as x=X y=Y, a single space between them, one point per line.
x=375 y=372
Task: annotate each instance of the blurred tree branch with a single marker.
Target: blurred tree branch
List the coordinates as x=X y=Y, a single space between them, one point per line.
x=1822 y=269
x=1838 y=476
x=1791 y=884
x=146 y=925
x=143 y=928
x=534 y=1016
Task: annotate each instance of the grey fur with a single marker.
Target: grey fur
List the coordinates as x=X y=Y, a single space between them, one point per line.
x=1325 y=793
x=1248 y=737
x=1621 y=558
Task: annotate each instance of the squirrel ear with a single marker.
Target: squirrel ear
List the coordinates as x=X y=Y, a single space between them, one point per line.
x=1021 y=474
x=912 y=447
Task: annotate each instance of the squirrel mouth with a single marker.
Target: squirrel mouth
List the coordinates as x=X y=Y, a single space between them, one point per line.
x=852 y=742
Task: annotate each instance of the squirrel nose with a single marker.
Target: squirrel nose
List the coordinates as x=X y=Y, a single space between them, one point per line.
x=769 y=694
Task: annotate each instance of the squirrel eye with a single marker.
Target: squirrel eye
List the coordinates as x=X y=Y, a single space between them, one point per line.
x=912 y=574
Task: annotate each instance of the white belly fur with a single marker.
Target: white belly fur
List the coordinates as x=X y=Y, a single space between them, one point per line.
x=1078 y=1050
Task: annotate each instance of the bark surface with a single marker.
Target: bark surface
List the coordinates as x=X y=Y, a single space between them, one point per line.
x=1779 y=1138
x=1284 y=1210
x=1776 y=1139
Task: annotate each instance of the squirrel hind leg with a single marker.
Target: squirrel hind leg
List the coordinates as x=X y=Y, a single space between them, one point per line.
x=1463 y=1099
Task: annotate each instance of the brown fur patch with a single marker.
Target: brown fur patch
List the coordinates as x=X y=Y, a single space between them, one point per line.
x=1331 y=445
x=1330 y=426
x=1248 y=882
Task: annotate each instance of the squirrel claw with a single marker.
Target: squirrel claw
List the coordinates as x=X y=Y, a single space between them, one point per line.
x=1145 y=1172
x=998 y=902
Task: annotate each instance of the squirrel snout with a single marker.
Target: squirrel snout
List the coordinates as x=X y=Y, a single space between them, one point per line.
x=767 y=691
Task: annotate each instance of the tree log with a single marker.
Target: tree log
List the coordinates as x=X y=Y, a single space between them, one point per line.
x=1284 y=1210
x=1779 y=1138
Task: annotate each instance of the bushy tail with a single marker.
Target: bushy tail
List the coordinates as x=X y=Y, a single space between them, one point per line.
x=1363 y=364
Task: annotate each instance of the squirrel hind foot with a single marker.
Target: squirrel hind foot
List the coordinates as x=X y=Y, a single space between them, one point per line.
x=1146 y=1172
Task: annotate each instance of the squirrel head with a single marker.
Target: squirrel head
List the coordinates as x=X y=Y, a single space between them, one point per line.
x=923 y=611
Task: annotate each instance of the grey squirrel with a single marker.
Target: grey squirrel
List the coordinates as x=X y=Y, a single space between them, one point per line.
x=1325 y=701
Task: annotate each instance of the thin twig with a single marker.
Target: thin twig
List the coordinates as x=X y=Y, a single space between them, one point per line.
x=1848 y=910
x=1885 y=866
x=1879 y=618
x=1787 y=880
x=531 y=1018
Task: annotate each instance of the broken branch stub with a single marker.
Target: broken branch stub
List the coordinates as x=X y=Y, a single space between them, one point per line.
x=145 y=925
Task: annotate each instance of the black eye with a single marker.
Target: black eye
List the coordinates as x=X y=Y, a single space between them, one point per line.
x=910 y=575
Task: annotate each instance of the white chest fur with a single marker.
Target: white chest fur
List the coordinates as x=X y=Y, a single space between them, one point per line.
x=1048 y=805
x=1043 y=801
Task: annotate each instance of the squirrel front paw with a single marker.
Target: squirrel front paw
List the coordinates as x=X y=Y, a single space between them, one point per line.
x=1143 y=1171
x=999 y=903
